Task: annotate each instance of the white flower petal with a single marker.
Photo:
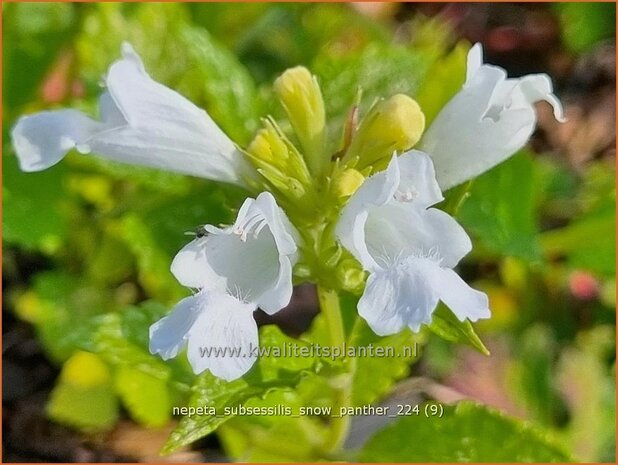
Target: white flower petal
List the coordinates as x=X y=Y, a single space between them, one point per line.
x=256 y=254
x=43 y=139
x=464 y=301
x=350 y=231
x=280 y=294
x=239 y=261
x=474 y=61
x=143 y=123
x=396 y=230
x=378 y=305
x=376 y=190
x=450 y=239
x=190 y=267
x=486 y=122
x=399 y=296
x=389 y=234
x=227 y=328
x=283 y=231
x=417 y=182
x=169 y=335
x=536 y=88
x=407 y=292
x=388 y=220
x=352 y=236
x=250 y=267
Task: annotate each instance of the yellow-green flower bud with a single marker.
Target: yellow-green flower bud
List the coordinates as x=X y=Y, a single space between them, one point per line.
x=268 y=147
x=348 y=182
x=350 y=275
x=301 y=97
x=332 y=255
x=279 y=161
x=395 y=124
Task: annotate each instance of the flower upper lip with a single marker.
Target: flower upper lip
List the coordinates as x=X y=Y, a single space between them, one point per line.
x=252 y=259
x=407 y=185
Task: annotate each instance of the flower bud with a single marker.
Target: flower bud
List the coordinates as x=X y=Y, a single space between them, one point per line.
x=279 y=161
x=332 y=255
x=301 y=97
x=350 y=275
x=268 y=147
x=395 y=124
x=348 y=182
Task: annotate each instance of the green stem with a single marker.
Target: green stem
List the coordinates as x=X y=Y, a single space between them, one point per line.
x=329 y=305
x=340 y=425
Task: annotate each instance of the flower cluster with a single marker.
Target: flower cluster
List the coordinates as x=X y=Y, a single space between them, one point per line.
x=363 y=219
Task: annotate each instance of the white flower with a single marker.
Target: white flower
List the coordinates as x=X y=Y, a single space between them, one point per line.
x=237 y=269
x=142 y=122
x=408 y=248
x=486 y=122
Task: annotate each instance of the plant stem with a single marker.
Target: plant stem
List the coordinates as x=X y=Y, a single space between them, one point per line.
x=329 y=305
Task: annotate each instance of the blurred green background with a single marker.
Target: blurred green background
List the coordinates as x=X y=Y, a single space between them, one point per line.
x=87 y=244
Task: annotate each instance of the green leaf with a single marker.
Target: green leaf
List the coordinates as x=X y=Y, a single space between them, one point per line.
x=146 y=397
x=209 y=391
x=269 y=373
x=379 y=71
x=588 y=242
x=84 y=396
x=532 y=375
x=455 y=197
x=150 y=180
x=302 y=31
x=33 y=207
x=153 y=263
x=376 y=375
x=111 y=262
x=62 y=307
x=588 y=385
x=464 y=433
x=135 y=321
x=274 y=360
x=448 y=74
x=152 y=29
x=279 y=438
x=225 y=23
x=218 y=80
x=501 y=211
x=169 y=219
x=133 y=329
x=446 y=325
x=147 y=386
x=109 y=341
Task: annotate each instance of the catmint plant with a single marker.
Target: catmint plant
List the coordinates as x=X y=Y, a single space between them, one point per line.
x=357 y=211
